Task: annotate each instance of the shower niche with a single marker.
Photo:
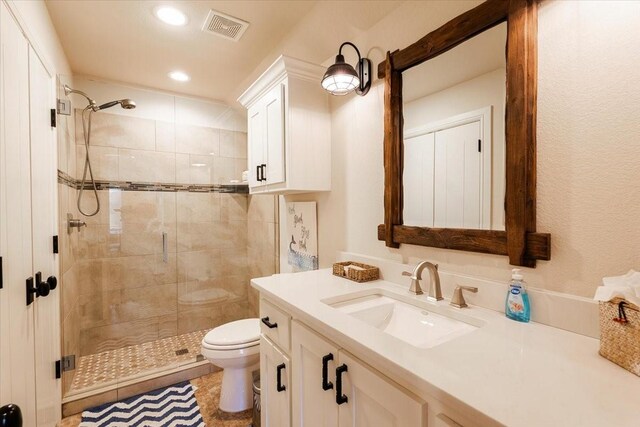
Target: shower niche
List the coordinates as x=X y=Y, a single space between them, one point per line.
x=171 y=250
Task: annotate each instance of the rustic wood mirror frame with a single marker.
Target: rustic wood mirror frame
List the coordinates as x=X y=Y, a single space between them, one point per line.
x=519 y=240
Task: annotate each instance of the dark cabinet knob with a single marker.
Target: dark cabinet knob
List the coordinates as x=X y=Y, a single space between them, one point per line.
x=10 y=416
x=53 y=282
x=42 y=288
x=39 y=288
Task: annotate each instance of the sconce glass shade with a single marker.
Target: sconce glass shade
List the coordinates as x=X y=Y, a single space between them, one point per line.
x=340 y=78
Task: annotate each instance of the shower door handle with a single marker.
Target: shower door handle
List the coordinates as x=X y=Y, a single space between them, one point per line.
x=165 y=247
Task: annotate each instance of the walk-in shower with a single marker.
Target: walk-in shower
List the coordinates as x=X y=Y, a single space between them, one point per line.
x=91 y=108
x=170 y=253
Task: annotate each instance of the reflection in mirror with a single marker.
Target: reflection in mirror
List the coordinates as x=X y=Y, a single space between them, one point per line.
x=454 y=144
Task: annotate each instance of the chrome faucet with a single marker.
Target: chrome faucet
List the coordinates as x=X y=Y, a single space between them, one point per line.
x=435 y=292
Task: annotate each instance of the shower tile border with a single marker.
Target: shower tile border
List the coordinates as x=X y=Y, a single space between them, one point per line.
x=68 y=180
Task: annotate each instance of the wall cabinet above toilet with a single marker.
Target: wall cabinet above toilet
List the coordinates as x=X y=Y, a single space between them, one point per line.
x=289 y=140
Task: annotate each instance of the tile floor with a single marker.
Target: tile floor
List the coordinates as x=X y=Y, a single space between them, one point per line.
x=129 y=362
x=208 y=397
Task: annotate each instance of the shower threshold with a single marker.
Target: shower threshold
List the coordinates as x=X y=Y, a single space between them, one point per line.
x=114 y=369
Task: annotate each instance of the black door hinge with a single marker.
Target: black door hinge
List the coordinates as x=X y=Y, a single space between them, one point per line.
x=479 y=146
x=58 y=369
x=55 y=244
x=1 y=276
x=53 y=117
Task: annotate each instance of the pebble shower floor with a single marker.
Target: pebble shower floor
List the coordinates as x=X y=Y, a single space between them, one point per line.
x=101 y=369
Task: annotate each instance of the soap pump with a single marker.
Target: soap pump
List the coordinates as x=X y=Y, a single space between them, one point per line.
x=517 y=303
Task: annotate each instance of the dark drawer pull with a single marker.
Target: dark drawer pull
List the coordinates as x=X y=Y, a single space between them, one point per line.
x=279 y=385
x=326 y=384
x=340 y=398
x=270 y=325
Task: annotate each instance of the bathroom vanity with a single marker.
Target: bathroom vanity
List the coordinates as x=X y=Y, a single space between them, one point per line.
x=339 y=353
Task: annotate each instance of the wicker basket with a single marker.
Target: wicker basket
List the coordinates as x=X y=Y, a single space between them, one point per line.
x=367 y=274
x=620 y=339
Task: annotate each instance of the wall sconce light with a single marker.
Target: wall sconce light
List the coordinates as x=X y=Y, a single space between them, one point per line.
x=341 y=78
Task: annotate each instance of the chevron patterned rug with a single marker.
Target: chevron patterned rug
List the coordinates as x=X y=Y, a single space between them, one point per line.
x=174 y=406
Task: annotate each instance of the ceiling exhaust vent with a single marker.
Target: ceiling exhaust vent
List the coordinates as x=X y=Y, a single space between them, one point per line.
x=224 y=25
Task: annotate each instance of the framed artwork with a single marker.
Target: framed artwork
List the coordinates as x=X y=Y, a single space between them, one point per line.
x=302 y=235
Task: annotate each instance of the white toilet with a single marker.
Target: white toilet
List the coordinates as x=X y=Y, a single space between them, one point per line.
x=235 y=347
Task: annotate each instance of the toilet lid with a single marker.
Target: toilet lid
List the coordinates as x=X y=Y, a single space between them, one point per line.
x=234 y=333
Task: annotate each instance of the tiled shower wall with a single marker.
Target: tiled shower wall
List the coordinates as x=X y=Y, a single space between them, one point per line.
x=130 y=294
x=119 y=290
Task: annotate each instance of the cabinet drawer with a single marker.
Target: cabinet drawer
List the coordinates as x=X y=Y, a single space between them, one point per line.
x=275 y=324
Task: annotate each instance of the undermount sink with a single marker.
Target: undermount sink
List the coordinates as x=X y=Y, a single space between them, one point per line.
x=415 y=322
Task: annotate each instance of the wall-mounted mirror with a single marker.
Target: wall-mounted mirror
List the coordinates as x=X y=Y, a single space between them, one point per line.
x=460 y=136
x=454 y=145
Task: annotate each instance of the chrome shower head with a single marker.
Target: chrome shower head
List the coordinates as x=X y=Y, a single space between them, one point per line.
x=127 y=104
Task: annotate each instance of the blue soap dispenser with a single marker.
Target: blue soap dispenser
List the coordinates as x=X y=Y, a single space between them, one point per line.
x=517 y=304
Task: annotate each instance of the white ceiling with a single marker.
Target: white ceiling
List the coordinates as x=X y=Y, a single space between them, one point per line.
x=124 y=41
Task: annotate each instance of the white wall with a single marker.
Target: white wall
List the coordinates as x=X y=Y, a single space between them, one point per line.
x=588 y=150
x=34 y=18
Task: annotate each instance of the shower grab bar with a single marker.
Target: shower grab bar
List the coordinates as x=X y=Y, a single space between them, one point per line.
x=165 y=247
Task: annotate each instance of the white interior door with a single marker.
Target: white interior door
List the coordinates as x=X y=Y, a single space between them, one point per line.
x=17 y=337
x=274 y=122
x=313 y=358
x=44 y=219
x=458 y=177
x=373 y=400
x=275 y=402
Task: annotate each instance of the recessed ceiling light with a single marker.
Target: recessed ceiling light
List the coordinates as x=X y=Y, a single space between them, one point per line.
x=179 y=76
x=171 y=15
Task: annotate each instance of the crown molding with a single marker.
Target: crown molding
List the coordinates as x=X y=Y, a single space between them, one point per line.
x=283 y=67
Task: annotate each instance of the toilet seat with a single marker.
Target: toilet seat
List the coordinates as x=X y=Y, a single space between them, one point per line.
x=234 y=335
x=229 y=347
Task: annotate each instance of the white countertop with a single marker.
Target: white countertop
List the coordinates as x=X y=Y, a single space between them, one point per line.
x=516 y=374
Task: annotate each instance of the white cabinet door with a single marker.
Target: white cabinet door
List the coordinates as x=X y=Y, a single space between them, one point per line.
x=43 y=217
x=370 y=399
x=256 y=149
x=275 y=386
x=17 y=383
x=313 y=362
x=274 y=134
